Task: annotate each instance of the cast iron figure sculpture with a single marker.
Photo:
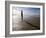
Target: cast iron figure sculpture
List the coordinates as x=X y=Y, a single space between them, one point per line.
x=22 y=15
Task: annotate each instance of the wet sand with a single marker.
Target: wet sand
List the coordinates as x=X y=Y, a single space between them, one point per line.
x=30 y=23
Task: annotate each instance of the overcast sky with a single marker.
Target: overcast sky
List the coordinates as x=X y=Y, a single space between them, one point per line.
x=27 y=10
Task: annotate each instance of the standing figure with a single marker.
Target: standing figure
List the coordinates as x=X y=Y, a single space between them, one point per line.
x=22 y=15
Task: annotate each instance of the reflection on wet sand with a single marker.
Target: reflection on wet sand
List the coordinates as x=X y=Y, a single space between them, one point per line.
x=30 y=23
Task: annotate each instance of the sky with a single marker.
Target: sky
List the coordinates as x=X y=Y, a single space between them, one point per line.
x=27 y=10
